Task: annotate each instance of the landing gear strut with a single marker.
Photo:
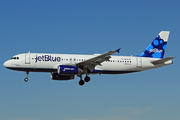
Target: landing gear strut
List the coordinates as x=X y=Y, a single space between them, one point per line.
x=26 y=79
x=86 y=79
x=81 y=82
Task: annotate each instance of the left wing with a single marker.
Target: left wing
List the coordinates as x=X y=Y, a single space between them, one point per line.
x=92 y=62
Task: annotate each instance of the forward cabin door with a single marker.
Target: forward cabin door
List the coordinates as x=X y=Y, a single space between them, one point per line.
x=27 y=58
x=139 y=62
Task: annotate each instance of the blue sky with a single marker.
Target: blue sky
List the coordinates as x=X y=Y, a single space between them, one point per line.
x=88 y=27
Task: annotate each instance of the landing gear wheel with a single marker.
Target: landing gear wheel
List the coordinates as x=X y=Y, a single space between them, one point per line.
x=87 y=79
x=81 y=82
x=26 y=79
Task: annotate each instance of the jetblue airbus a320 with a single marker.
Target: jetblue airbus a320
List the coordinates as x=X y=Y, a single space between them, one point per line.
x=66 y=66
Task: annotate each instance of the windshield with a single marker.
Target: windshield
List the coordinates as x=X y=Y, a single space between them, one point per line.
x=15 y=58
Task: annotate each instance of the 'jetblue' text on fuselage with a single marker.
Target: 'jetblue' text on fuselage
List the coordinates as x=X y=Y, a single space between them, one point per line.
x=47 y=58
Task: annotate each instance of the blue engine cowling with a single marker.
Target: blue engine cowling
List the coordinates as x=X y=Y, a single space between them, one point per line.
x=56 y=76
x=68 y=70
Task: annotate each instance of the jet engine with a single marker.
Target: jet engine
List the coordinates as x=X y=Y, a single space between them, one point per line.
x=56 y=76
x=69 y=70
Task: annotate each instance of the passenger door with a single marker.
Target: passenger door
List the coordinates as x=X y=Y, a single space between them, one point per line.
x=27 y=58
x=139 y=62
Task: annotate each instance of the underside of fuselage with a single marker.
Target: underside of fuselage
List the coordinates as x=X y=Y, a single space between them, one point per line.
x=55 y=70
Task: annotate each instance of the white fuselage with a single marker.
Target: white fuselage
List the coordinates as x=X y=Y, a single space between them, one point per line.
x=45 y=62
x=66 y=66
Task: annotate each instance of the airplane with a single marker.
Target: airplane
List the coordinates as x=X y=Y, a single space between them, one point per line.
x=66 y=66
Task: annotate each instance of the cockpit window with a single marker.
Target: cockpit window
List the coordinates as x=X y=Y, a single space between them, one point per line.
x=15 y=58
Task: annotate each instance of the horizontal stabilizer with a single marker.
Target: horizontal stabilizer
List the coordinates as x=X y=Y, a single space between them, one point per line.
x=162 y=60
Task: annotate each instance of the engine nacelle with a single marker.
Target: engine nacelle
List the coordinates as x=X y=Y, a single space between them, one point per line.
x=68 y=70
x=56 y=76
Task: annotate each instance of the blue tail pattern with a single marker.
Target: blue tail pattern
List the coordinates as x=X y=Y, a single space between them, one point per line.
x=156 y=49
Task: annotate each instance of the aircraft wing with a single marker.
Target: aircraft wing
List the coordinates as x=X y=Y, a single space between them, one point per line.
x=92 y=62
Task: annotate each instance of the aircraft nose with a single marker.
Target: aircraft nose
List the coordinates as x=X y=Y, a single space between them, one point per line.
x=6 y=64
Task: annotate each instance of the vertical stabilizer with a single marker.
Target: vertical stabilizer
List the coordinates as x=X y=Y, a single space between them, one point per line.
x=157 y=48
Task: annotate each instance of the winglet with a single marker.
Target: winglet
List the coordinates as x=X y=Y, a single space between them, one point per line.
x=118 y=50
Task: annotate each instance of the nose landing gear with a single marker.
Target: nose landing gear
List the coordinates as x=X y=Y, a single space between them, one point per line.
x=26 y=79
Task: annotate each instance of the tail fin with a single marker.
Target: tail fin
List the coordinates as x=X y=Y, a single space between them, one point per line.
x=157 y=48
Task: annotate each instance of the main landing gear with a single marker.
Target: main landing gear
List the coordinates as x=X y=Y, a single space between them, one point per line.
x=86 y=79
x=26 y=79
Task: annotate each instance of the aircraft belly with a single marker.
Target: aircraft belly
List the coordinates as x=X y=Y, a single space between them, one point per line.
x=33 y=70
